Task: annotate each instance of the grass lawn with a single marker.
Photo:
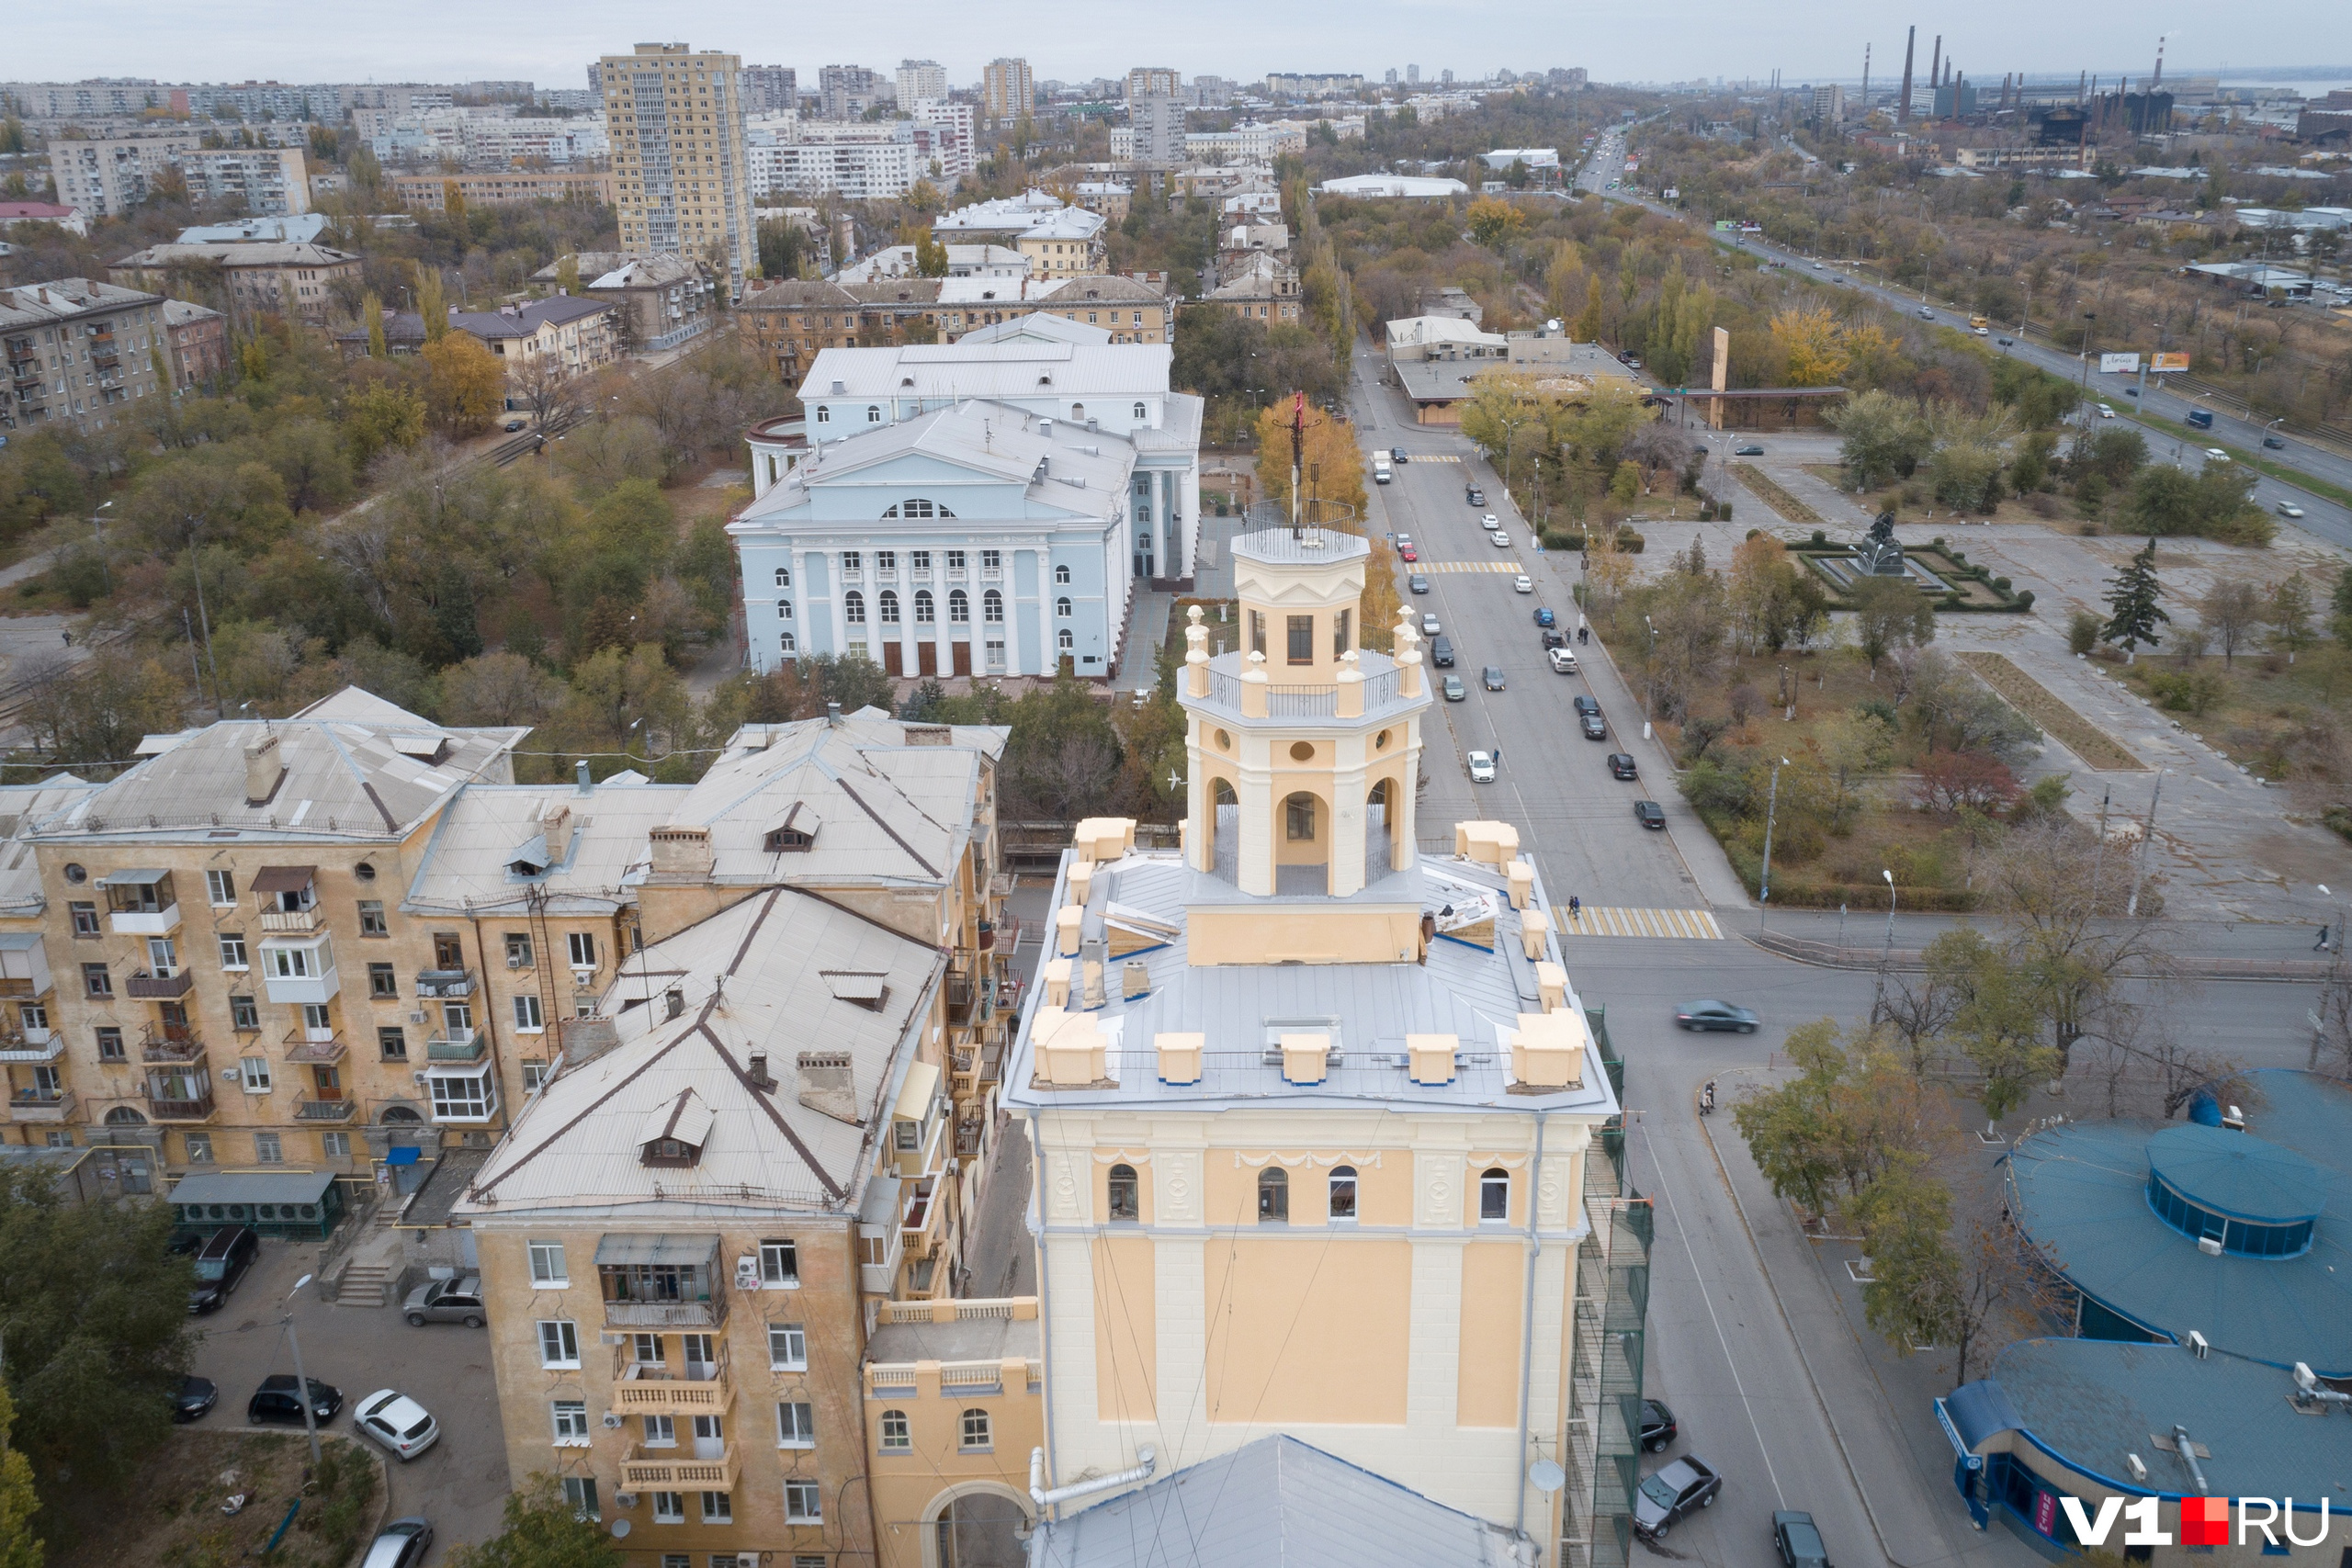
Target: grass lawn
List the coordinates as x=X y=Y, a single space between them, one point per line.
x=2253 y=710
x=2094 y=746
x=2040 y=507
x=1770 y=490
x=169 y=1515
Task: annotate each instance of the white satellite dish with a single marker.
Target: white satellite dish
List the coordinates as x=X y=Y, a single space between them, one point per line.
x=1544 y=1476
x=620 y=1529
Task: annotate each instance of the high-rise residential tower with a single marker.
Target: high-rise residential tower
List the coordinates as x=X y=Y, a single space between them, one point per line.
x=1007 y=89
x=675 y=115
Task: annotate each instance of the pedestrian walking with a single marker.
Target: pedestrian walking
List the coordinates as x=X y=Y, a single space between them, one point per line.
x=69 y=638
x=1576 y=906
x=2320 y=945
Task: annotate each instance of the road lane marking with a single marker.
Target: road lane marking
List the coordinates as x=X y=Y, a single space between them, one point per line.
x=1694 y=925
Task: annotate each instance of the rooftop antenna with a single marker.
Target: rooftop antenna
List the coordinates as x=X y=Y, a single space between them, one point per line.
x=1297 y=453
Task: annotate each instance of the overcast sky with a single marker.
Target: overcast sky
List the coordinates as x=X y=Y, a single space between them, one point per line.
x=441 y=41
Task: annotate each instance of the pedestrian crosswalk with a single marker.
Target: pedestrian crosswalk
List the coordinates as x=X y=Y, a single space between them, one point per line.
x=1433 y=457
x=1509 y=568
x=1693 y=924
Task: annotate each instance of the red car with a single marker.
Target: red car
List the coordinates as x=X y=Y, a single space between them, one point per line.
x=1406 y=552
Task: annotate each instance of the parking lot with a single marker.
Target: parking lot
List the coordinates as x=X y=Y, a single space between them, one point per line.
x=460 y=1483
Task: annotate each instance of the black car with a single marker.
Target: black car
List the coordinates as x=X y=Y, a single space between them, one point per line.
x=1620 y=766
x=1751 y=450
x=1680 y=1489
x=1658 y=1425
x=1555 y=637
x=1491 y=677
x=195 y=1400
x=1650 y=815
x=1595 y=728
x=1418 y=583
x=274 y=1401
x=1796 y=1540
x=187 y=1243
x=1474 y=496
x=2274 y=443
x=1715 y=1015
x=226 y=1256
x=1442 y=654
x=1399 y=455
x=1583 y=704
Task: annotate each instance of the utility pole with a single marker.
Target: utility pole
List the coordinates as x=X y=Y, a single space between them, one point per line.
x=2140 y=860
x=1764 y=882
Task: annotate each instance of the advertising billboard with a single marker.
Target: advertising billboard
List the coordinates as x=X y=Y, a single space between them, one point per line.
x=2117 y=363
x=2159 y=364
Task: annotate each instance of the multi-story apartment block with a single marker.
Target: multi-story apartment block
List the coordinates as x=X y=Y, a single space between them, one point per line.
x=1260 y=286
x=846 y=92
x=1297 y=1072
x=484 y=140
x=954 y=1406
x=263 y=181
x=945 y=134
x=862 y=160
x=1007 y=91
x=1154 y=81
x=79 y=353
x=298 y=280
x=1157 y=122
x=199 y=345
x=675 y=117
x=105 y=98
x=561 y=337
x=1041 y=480
x=503 y=187
x=106 y=177
x=921 y=79
x=665 y=299
x=771 y=89
x=791 y=322
x=1251 y=141
x=1060 y=241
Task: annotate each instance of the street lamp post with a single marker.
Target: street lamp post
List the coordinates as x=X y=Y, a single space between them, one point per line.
x=301 y=1380
x=1772 y=805
x=2090 y=319
x=98 y=527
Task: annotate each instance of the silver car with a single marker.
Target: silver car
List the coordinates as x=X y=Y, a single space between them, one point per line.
x=445 y=1301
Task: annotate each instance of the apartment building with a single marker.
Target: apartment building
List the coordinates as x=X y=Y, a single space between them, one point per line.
x=791 y=322
x=1007 y=91
x=79 y=353
x=1156 y=125
x=198 y=355
x=263 y=181
x=562 y=336
x=107 y=176
x=945 y=134
x=1299 y=1072
x=1154 y=81
x=771 y=89
x=860 y=160
x=664 y=301
x=955 y=1405
x=846 y=92
x=1060 y=241
x=919 y=80
x=675 y=117
x=503 y=187
x=1262 y=286
x=298 y=280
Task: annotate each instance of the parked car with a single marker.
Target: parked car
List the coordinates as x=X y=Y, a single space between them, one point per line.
x=513 y=425
x=1715 y=1015
x=2288 y=509
x=2007 y=342
x=1544 y=616
x=2277 y=444
x=1491 y=677
x=1925 y=314
x=400 y=1544
x=1491 y=522
x=1658 y=1425
x=1418 y=583
x=1442 y=653
x=1583 y=704
x=196 y=1399
x=1796 y=1540
x=228 y=1254
x=1563 y=661
x=1453 y=689
x=1408 y=554
x=1750 y=450
x=1482 y=767
x=1522 y=583
x=1679 y=1489
x=274 y=1401
x=1502 y=540
x=1554 y=638
x=1650 y=815
x=2105 y=411
x=1622 y=766
x=1474 y=495
x=1594 y=726
x=445 y=1301
x=397 y=1422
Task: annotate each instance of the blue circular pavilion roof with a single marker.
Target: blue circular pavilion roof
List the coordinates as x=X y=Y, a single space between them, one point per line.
x=2239 y=1174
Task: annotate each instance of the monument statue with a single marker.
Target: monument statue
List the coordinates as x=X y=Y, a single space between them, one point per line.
x=1880 y=554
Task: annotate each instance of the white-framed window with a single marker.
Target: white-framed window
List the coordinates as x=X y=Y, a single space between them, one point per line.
x=200 y=1148
x=546 y=1266
x=534 y=1074
x=335 y=1146
x=580 y=1491
x=1062 y=608
x=784 y=609
x=463 y=1096
x=795 y=1424
x=570 y=1419
x=219 y=887
x=898 y=1437
x=584 y=949
x=873 y=413
x=661 y=1431
x=972 y=1436
x=1493 y=1196
x=824 y=414
x=559 y=1342
x=784 y=577
x=268 y=1149
x=853 y=607
x=254 y=1073
x=669 y=1509
x=804 y=1502
x=786 y=643
x=992 y=607
x=1066 y=639
x=718 y=1509
x=885 y=606
x=1139 y=408
x=787 y=1348
x=959 y=607
x=926 y=608
x=1061 y=575
x=991 y=560
x=295 y=963
x=779 y=1264
x=527 y=1018
x=1343 y=1192
x=233 y=950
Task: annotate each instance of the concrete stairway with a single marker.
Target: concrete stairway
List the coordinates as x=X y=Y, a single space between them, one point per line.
x=365 y=1284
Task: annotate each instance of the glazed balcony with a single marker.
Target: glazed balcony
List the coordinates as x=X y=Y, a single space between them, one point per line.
x=659 y=1470
x=168 y=1106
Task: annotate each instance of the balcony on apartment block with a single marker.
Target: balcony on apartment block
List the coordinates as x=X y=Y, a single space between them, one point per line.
x=661 y=1280
x=664 y=1469
x=448 y=984
x=169 y=1043
x=158 y=985
x=34 y=1105
x=24 y=967
x=180 y=1096
x=457 y=1045
x=315 y=1047
x=317 y=1108
x=695 y=1388
x=141 y=902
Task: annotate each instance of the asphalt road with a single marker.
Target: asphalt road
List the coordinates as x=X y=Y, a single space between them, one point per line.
x=2322 y=518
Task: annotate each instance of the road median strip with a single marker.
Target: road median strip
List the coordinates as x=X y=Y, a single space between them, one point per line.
x=2098 y=749
x=1770 y=491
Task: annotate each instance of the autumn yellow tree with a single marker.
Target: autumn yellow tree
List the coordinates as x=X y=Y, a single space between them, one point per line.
x=1332 y=461
x=1809 y=338
x=1495 y=222
x=464 y=384
x=430 y=303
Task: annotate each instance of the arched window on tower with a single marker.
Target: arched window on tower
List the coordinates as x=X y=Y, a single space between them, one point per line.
x=1273 y=1196
x=1126 y=1193
x=924 y=608
x=992 y=607
x=887 y=602
x=1343 y=1192
x=1494 y=1195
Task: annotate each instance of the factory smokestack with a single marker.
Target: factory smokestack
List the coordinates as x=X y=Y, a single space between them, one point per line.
x=1936 y=65
x=2158 y=80
x=1902 y=105
x=1866 y=81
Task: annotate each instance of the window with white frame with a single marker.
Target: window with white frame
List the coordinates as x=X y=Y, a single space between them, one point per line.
x=669 y=1509
x=898 y=1437
x=546 y=1265
x=661 y=1431
x=1062 y=608
x=335 y=1146
x=527 y=1017
x=784 y=577
x=779 y=1263
x=559 y=1342
x=1494 y=1195
x=795 y=1424
x=1139 y=408
x=718 y=1509
x=959 y=607
x=254 y=1073
x=219 y=887
x=463 y=1096
x=992 y=607
x=787 y=1348
x=991 y=560
x=1061 y=575
x=972 y=1432
x=804 y=1502
x=1066 y=639
x=584 y=949
x=784 y=609
x=571 y=1418
x=579 y=1492
x=270 y=1148
x=233 y=950
x=534 y=1074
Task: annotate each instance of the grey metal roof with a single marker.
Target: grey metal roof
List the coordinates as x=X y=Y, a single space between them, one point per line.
x=622 y=1248
x=252 y=1187
x=750 y=980
x=2090 y=1402
x=1036 y=326
x=966 y=369
x=21 y=805
x=468 y=863
x=1275 y=1502
x=2079 y=1191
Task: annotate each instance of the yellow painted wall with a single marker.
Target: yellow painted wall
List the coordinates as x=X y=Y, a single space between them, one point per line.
x=1126 y=1347
x=1476 y=1166
x=1308 y=1330
x=1107 y=1158
x=1493 y=1285
x=1321 y=934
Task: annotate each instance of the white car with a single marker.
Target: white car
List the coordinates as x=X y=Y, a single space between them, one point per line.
x=2106 y=412
x=397 y=1422
x=1563 y=661
x=1502 y=539
x=1429 y=625
x=1522 y=583
x=2215 y=455
x=1482 y=767
x=1491 y=522
x=2288 y=509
